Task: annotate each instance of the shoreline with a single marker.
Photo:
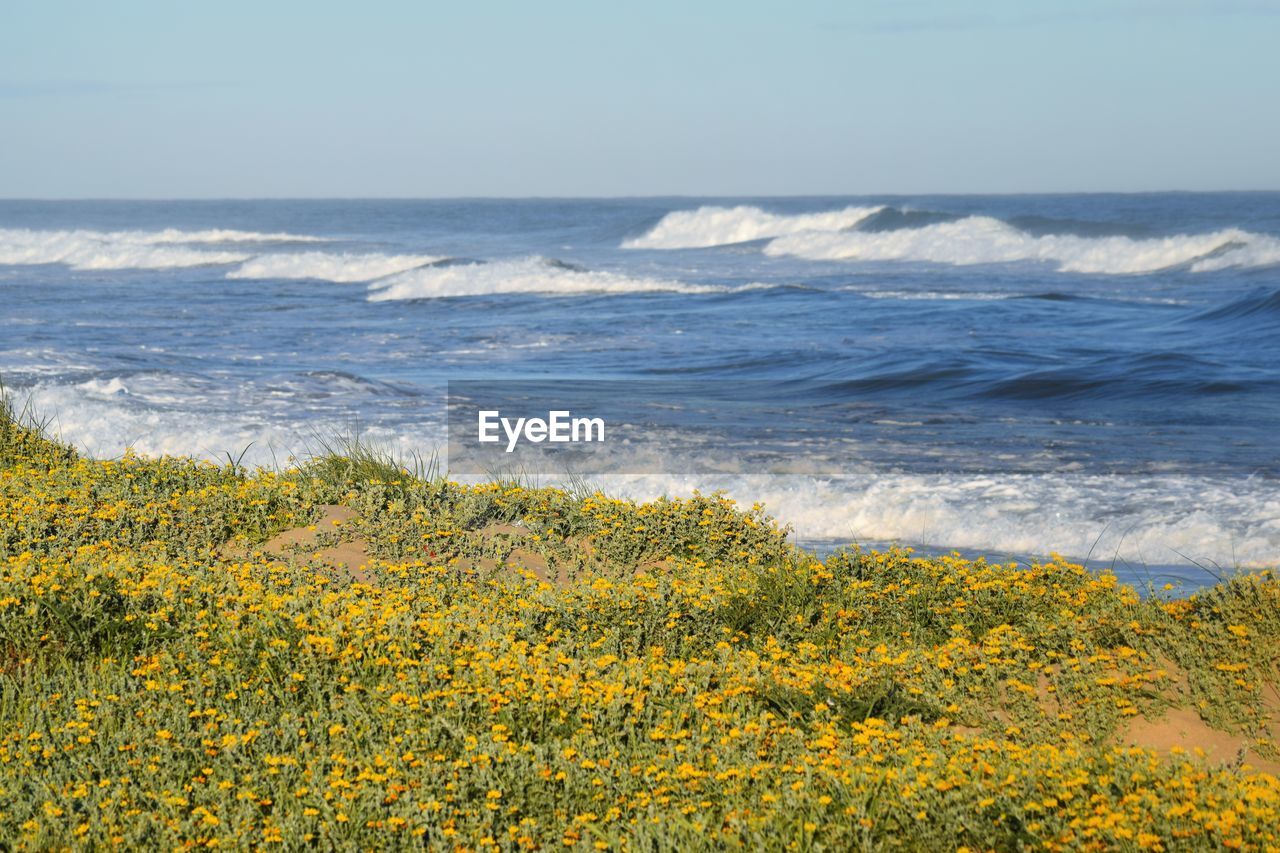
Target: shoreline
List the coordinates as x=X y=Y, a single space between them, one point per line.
x=1194 y=571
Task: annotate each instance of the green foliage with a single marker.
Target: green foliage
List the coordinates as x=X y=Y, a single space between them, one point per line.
x=691 y=681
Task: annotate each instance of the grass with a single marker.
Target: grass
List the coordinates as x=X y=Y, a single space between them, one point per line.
x=690 y=679
x=346 y=461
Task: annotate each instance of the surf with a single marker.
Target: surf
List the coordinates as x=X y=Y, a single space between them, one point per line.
x=976 y=240
x=534 y=275
x=170 y=248
x=722 y=226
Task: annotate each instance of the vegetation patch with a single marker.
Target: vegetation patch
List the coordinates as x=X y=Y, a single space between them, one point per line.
x=518 y=668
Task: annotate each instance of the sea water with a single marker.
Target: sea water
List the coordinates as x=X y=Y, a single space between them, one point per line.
x=1095 y=375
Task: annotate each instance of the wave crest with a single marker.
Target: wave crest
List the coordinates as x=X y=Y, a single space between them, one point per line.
x=1140 y=519
x=723 y=226
x=985 y=240
x=120 y=250
x=530 y=275
x=211 y=235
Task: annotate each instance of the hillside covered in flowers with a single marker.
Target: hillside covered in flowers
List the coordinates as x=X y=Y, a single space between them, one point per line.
x=344 y=655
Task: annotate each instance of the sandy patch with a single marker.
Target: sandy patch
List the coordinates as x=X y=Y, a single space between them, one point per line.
x=1182 y=729
x=351 y=558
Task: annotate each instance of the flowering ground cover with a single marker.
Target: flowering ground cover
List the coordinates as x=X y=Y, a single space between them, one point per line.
x=525 y=668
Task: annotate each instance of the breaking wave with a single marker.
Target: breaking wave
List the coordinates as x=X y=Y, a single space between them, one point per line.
x=723 y=226
x=157 y=414
x=1147 y=519
x=1143 y=520
x=985 y=240
x=212 y=235
x=120 y=250
x=530 y=275
x=1256 y=252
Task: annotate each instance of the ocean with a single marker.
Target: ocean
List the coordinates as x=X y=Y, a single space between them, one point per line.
x=1092 y=375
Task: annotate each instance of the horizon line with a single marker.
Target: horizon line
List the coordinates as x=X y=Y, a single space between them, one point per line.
x=629 y=196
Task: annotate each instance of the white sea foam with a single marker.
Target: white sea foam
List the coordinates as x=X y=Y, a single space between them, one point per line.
x=93 y=251
x=530 y=275
x=1142 y=520
x=105 y=417
x=722 y=226
x=984 y=240
x=328 y=266
x=41 y=362
x=211 y=235
x=146 y=250
x=104 y=388
x=1138 y=520
x=1258 y=251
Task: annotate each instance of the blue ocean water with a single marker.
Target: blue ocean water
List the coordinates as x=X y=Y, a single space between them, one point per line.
x=1091 y=374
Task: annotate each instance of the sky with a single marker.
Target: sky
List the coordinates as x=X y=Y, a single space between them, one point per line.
x=229 y=99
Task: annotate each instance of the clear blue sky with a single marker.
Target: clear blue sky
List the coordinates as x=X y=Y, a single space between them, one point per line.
x=234 y=99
